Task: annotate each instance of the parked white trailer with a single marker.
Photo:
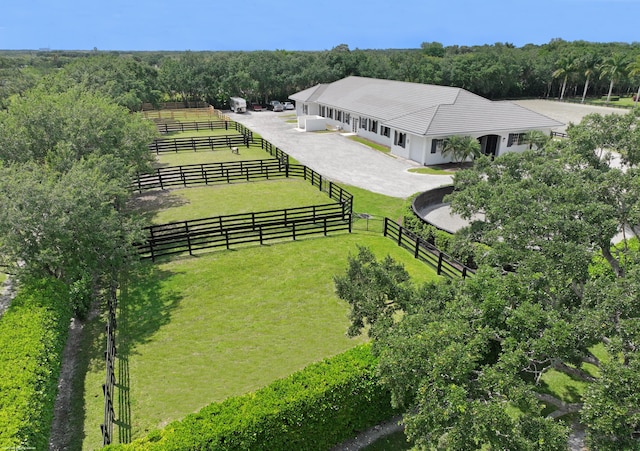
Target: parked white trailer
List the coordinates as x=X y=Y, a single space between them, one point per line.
x=238 y=104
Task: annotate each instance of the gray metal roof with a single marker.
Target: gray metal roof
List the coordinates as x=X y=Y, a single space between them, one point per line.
x=423 y=109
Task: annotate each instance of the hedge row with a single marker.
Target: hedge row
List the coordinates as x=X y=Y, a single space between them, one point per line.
x=313 y=409
x=33 y=332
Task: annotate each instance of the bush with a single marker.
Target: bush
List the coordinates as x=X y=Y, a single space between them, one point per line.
x=33 y=332
x=611 y=99
x=313 y=409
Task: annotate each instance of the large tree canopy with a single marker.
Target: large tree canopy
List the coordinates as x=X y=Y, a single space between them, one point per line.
x=59 y=128
x=66 y=162
x=556 y=295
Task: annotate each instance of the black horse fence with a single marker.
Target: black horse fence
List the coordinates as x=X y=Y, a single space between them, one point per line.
x=423 y=250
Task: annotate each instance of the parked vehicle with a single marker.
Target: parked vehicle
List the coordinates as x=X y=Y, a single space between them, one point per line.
x=256 y=107
x=238 y=104
x=288 y=106
x=275 y=105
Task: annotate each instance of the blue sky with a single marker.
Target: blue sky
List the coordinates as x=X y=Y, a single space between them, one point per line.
x=308 y=25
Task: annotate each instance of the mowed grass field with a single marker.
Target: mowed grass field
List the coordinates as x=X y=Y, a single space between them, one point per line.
x=200 y=329
x=195 y=330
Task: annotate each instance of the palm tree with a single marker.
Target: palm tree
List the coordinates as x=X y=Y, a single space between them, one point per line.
x=536 y=138
x=633 y=69
x=565 y=67
x=588 y=65
x=461 y=147
x=613 y=67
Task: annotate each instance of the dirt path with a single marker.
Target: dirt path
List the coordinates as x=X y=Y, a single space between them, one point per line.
x=6 y=295
x=369 y=436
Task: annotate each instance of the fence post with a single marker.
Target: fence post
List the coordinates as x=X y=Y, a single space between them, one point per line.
x=399 y=235
x=186 y=229
x=384 y=230
x=439 y=262
x=416 y=251
x=151 y=243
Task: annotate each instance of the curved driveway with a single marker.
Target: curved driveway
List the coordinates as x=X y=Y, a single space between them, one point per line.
x=342 y=160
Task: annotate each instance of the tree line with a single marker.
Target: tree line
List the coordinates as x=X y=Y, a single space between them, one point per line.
x=558 y=69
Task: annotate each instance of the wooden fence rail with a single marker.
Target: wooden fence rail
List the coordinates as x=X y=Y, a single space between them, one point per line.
x=194 y=144
x=110 y=380
x=237 y=171
x=257 y=227
x=425 y=251
x=171 y=126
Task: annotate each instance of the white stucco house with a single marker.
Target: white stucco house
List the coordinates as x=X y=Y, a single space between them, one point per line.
x=413 y=119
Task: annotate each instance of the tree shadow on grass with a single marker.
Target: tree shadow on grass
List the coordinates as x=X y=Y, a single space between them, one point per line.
x=149 y=203
x=143 y=308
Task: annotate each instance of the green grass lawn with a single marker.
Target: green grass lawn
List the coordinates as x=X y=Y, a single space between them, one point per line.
x=197 y=330
x=216 y=200
x=373 y=145
x=208 y=156
x=431 y=171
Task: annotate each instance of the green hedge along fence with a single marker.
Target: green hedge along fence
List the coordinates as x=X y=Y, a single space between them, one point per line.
x=313 y=409
x=33 y=332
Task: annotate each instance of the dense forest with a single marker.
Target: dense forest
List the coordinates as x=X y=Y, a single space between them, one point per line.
x=559 y=69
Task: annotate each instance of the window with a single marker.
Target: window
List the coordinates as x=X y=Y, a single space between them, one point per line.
x=437 y=145
x=399 y=139
x=339 y=115
x=363 y=123
x=373 y=126
x=322 y=110
x=347 y=118
x=330 y=113
x=515 y=139
x=305 y=109
x=385 y=131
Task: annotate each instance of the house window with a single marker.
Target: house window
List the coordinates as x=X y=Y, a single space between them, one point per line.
x=385 y=131
x=339 y=115
x=330 y=113
x=347 y=118
x=373 y=126
x=399 y=139
x=305 y=109
x=322 y=111
x=363 y=123
x=437 y=145
x=515 y=139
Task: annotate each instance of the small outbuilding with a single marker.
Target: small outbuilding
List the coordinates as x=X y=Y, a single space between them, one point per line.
x=414 y=119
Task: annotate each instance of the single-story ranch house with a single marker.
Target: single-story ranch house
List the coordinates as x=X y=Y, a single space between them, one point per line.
x=413 y=119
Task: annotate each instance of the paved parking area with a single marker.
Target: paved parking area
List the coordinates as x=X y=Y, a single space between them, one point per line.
x=339 y=158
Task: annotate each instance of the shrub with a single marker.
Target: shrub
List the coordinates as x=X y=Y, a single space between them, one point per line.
x=612 y=98
x=33 y=332
x=313 y=409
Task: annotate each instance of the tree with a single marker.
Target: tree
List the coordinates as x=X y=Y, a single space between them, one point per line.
x=71 y=226
x=555 y=293
x=588 y=65
x=461 y=148
x=564 y=67
x=536 y=138
x=60 y=128
x=633 y=70
x=613 y=68
x=440 y=354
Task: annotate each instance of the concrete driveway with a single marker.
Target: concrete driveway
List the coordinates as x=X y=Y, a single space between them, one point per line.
x=339 y=158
